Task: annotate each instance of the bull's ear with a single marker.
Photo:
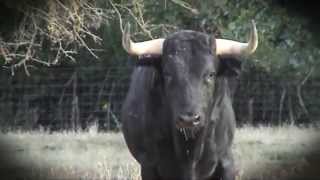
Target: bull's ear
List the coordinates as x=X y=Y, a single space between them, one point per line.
x=229 y=66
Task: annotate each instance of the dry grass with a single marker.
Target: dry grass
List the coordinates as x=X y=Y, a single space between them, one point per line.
x=260 y=153
x=277 y=152
x=71 y=155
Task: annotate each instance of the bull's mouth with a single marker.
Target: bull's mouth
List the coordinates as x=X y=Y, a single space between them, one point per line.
x=188 y=129
x=187 y=124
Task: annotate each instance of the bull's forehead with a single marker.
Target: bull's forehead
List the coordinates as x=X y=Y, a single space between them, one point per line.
x=189 y=51
x=187 y=35
x=183 y=40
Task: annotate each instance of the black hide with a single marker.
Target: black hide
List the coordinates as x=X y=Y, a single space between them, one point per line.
x=187 y=79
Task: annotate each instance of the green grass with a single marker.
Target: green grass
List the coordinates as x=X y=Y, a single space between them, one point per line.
x=260 y=153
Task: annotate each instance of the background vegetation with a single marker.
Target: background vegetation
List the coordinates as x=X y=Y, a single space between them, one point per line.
x=63 y=66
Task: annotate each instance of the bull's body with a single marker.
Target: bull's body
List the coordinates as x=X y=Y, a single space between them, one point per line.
x=178 y=120
x=150 y=138
x=164 y=151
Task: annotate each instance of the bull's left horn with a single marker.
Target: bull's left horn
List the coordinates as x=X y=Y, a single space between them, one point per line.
x=234 y=48
x=140 y=48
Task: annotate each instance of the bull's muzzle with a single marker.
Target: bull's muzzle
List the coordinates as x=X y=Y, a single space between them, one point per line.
x=188 y=120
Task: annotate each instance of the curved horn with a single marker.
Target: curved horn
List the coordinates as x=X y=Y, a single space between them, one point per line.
x=140 y=48
x=234 y=48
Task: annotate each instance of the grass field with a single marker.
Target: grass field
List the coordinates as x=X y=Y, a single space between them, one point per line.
x=261 y=153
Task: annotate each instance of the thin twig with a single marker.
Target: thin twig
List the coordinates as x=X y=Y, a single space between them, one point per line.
x=186 y=6
x=86 y=46
x=307 y=76
x=66 y=25
x=119 y=15
x=142 y=26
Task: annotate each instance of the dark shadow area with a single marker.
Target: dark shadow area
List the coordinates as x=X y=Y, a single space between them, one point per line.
x=8 y=26
x=11 y=168
x=310 y=170
x=308 y=9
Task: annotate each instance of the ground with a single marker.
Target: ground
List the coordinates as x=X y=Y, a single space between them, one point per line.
x=286 y=152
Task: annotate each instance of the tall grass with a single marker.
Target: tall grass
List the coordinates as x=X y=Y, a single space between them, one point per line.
x=260 y=153
x=276 y=152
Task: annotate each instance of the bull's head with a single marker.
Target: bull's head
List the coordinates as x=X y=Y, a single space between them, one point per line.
x=189 y=66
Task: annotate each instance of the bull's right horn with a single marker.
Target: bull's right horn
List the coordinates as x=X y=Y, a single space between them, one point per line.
x=234 y=48
x=153 y=47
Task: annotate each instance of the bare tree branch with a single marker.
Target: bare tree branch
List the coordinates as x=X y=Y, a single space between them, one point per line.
x=299 y=94
x=66 y=24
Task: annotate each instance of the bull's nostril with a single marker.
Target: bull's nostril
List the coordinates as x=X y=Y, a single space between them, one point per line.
x=188 y=120
x=196 y=120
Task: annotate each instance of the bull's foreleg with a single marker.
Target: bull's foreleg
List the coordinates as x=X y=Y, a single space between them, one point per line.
x=225 y=169
x=228 y=168
x=149 y=173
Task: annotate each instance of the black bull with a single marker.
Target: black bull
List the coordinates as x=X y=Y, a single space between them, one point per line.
x=178 y=119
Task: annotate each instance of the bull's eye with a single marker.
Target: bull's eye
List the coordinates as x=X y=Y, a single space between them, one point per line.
x=210 y=77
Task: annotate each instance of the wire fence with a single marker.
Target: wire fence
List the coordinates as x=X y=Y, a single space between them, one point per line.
x=277 y=102
x=77 y=99
x=66 y=98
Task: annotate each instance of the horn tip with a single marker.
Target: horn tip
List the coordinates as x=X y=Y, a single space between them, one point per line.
x=126 y=41
x=253 y=25
x=253 y=22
